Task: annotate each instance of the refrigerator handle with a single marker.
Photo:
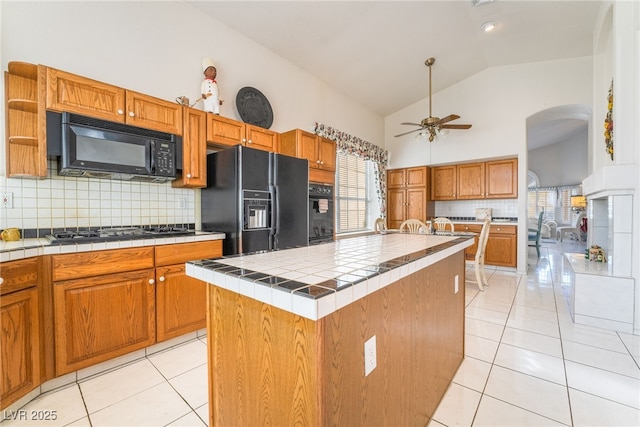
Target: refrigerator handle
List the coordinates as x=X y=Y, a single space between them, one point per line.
x=275 y=220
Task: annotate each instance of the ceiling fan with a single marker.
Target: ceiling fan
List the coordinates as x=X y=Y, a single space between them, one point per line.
x=433 y=125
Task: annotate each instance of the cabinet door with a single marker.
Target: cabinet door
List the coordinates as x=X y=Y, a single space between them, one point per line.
x=308 y=148
x=76 y=94
x=260 y=138
x=327 y=154
x=443 y=183
x=416 y=177
x=471 y=183
x=194 y=150
x=153 y=113
x=501 y=246
x=19 y=345
x=502 y=179
x=470 y=252
x=396 y=207
x=224 y=132
x=396 y=178
x=416 y=203
x=99 y=318
x=181 y=302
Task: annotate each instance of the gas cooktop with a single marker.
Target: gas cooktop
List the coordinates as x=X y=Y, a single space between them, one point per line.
x=115 y=233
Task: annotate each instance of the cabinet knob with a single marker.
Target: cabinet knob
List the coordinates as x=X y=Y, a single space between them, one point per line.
x=249 y=142
x=321 y=162
x=161 y=278
x=1 y=280
x=466 y=228
x=318 y=161
x=498 y=229
x=244 y=140
x=120 y=112
x=151 y=281
x=189 y=175
x=131 y=114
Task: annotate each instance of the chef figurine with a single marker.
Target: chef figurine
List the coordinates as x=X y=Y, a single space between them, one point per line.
x=209 y=88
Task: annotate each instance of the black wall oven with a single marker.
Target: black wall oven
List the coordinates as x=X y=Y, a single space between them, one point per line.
x=321 y=215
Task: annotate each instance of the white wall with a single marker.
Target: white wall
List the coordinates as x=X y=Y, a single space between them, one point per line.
x=155 y=48
x=563 y=163
x=496 y=102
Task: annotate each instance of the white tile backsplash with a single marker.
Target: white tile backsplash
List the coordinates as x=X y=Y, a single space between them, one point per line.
x=65 y=202
x=467 y=208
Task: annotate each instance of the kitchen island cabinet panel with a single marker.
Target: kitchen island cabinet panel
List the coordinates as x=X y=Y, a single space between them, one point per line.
x=99 y=318
x=272 y=367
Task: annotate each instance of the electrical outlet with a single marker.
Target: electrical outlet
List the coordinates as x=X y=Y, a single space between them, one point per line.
x=6 y=200
x=455 y=285
x=369 y=355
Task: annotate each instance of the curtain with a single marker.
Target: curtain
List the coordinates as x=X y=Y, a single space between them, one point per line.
x=353 y=145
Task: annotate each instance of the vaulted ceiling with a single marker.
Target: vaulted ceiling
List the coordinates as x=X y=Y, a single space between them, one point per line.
x=374 y=51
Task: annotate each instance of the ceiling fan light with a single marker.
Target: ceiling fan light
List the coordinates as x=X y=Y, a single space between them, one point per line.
x=489 y=26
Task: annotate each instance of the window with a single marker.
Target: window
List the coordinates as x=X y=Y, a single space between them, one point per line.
x=542 y=200
x=352 y=196
x=554 y=201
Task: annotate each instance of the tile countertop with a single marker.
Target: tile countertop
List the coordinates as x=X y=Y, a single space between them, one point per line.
x=25 y=248
x=580 y=265
x=314 y=281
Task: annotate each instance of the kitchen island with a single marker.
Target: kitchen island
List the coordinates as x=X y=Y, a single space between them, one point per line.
x=287 y=331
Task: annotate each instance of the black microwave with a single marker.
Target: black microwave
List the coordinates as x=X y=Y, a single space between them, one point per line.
x=89 y=147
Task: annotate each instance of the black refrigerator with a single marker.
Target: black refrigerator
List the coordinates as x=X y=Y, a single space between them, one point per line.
x=258 y=199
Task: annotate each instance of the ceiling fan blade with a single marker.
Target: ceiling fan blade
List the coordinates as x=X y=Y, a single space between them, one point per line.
x=455 y=126
x=448 y=118
x=412 y=124
x=406 y=133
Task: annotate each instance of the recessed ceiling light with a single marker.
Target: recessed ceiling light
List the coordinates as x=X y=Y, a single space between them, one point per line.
x=489 y=26
x=481 y=2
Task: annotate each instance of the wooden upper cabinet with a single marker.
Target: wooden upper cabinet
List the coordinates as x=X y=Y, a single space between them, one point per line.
x=194 y=150
x=326 y=154
x=81 y=95
x=25 y=120
x=153 y=113
x=407 y=177
x=444 y=182
x=319 y=151
x=224 y=132
x=471 y=181
x=502 y=179
x=77 y=94
x=260 y=138
x=497 y=179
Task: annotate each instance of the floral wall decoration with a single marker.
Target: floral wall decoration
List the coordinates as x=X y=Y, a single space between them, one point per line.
x=353 y=145
x=608 y=123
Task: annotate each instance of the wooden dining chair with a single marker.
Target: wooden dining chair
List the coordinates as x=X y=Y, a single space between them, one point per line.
x=413 y=226
x=442 y=223
x=478 y=264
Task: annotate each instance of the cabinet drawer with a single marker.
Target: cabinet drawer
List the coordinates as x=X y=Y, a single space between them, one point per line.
x=72 y=266
x=472 y=228
x=502 y=229
x=17 y=275
x=183 y=252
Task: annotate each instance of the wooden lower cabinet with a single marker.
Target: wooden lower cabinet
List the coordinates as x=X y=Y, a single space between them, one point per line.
x=109 y=303
x=102 y=317
x=20 y=330
x=501 y=246
x=181 y=300
x=406 y=204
